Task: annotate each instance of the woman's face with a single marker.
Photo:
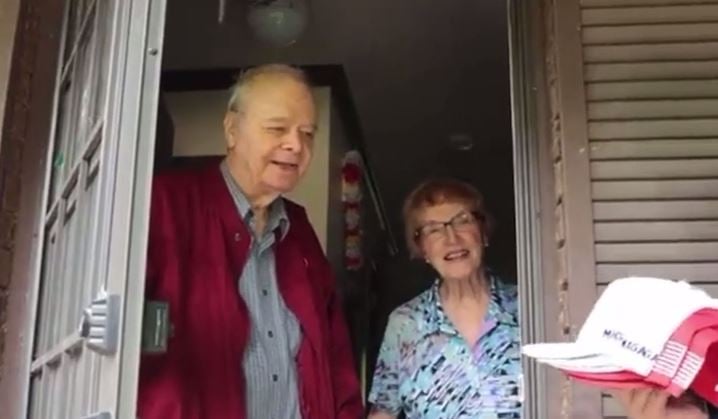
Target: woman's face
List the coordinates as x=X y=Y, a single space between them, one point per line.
x=451 y=240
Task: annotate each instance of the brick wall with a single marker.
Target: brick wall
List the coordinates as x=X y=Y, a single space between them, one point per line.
x=14 y=131
x=561 y=279
x=23 y=150
x=9 y=10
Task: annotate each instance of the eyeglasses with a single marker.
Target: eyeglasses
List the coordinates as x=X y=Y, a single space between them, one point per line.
x=462 y=221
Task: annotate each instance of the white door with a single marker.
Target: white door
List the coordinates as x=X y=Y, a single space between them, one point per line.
x=90 y=281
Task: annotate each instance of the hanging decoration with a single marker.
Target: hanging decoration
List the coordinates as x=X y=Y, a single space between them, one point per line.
x=352 y=173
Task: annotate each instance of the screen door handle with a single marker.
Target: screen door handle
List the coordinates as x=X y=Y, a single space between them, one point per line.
x=100 y=323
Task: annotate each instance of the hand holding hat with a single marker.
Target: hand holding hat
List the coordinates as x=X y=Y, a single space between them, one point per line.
x=649 y=337
x=656 y=404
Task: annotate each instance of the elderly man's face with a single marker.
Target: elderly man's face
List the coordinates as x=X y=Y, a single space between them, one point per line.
x=270 y=137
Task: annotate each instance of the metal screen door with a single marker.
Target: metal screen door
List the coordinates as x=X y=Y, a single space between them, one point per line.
x=90 y=280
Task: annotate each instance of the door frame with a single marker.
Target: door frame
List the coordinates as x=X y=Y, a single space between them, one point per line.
x=533 y=183
x=533 y=188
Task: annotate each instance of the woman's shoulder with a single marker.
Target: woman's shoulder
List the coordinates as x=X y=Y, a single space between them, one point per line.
x=505 y=291
x=505 y=301
x=416 y=308
x=411 y=315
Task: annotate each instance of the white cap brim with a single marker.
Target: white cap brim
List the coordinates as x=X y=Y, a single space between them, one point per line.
x=558 y=351
x=571 y=357
x=595 y=365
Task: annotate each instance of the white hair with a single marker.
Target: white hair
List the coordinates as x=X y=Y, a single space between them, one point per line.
x=246 y=78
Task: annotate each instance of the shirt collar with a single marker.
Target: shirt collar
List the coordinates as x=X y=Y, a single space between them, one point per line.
x=501 y=310
x=277 y=220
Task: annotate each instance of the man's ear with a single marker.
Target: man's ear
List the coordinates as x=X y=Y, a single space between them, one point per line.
x=230 y=129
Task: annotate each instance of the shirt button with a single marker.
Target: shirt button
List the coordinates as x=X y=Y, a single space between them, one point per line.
x=275 y=377
x=270 y=334
x=265 y=292
x=237 y=237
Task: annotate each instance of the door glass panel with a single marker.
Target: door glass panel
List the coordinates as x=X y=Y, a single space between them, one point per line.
x=92 y=173
x=60 y=364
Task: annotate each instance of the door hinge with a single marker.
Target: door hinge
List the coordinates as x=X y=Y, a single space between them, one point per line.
x=100 y=324
x=100 y=415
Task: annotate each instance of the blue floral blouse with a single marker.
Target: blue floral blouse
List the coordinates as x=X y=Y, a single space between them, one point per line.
x=427 y=370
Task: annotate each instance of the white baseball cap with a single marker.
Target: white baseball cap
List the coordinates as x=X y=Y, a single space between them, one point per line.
x=627 y=328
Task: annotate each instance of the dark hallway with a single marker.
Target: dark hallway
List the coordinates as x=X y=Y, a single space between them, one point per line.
x=425 y=102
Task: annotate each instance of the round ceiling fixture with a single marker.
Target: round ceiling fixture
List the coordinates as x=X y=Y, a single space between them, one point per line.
x=278 y=22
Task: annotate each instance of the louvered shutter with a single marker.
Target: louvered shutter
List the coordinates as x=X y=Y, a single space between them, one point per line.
x=651 y=86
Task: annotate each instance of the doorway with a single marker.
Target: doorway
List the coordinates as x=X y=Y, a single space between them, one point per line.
x=443 y=133
x=428 y=102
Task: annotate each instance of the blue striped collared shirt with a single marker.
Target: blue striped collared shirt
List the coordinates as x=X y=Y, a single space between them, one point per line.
x=269 y=368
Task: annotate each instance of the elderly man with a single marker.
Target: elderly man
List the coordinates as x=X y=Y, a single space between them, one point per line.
x=257 y=330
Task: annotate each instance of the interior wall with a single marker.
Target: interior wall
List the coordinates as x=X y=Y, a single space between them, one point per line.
x=197 y=122
x=313 y=190
x=412 y=87
x=197 y=118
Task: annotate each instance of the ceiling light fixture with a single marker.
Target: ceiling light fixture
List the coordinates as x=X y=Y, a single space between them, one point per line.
x=279 y=23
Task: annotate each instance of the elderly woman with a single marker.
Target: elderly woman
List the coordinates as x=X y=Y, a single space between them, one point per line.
x=453 y=351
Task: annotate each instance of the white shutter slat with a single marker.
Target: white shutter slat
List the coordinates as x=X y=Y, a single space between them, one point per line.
x=661 y=128
x=663 y=252
x=694 y=272
x=668 y=148
x=618 y=4
x=654 y=189
x=710 y=288
x=637 y=34
x=637 y=231
x=652 y=89
x=654 y=169
x=642 y=109
x=677 y=51
x=656 y=210
x=656 y=14
x=674 y=70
